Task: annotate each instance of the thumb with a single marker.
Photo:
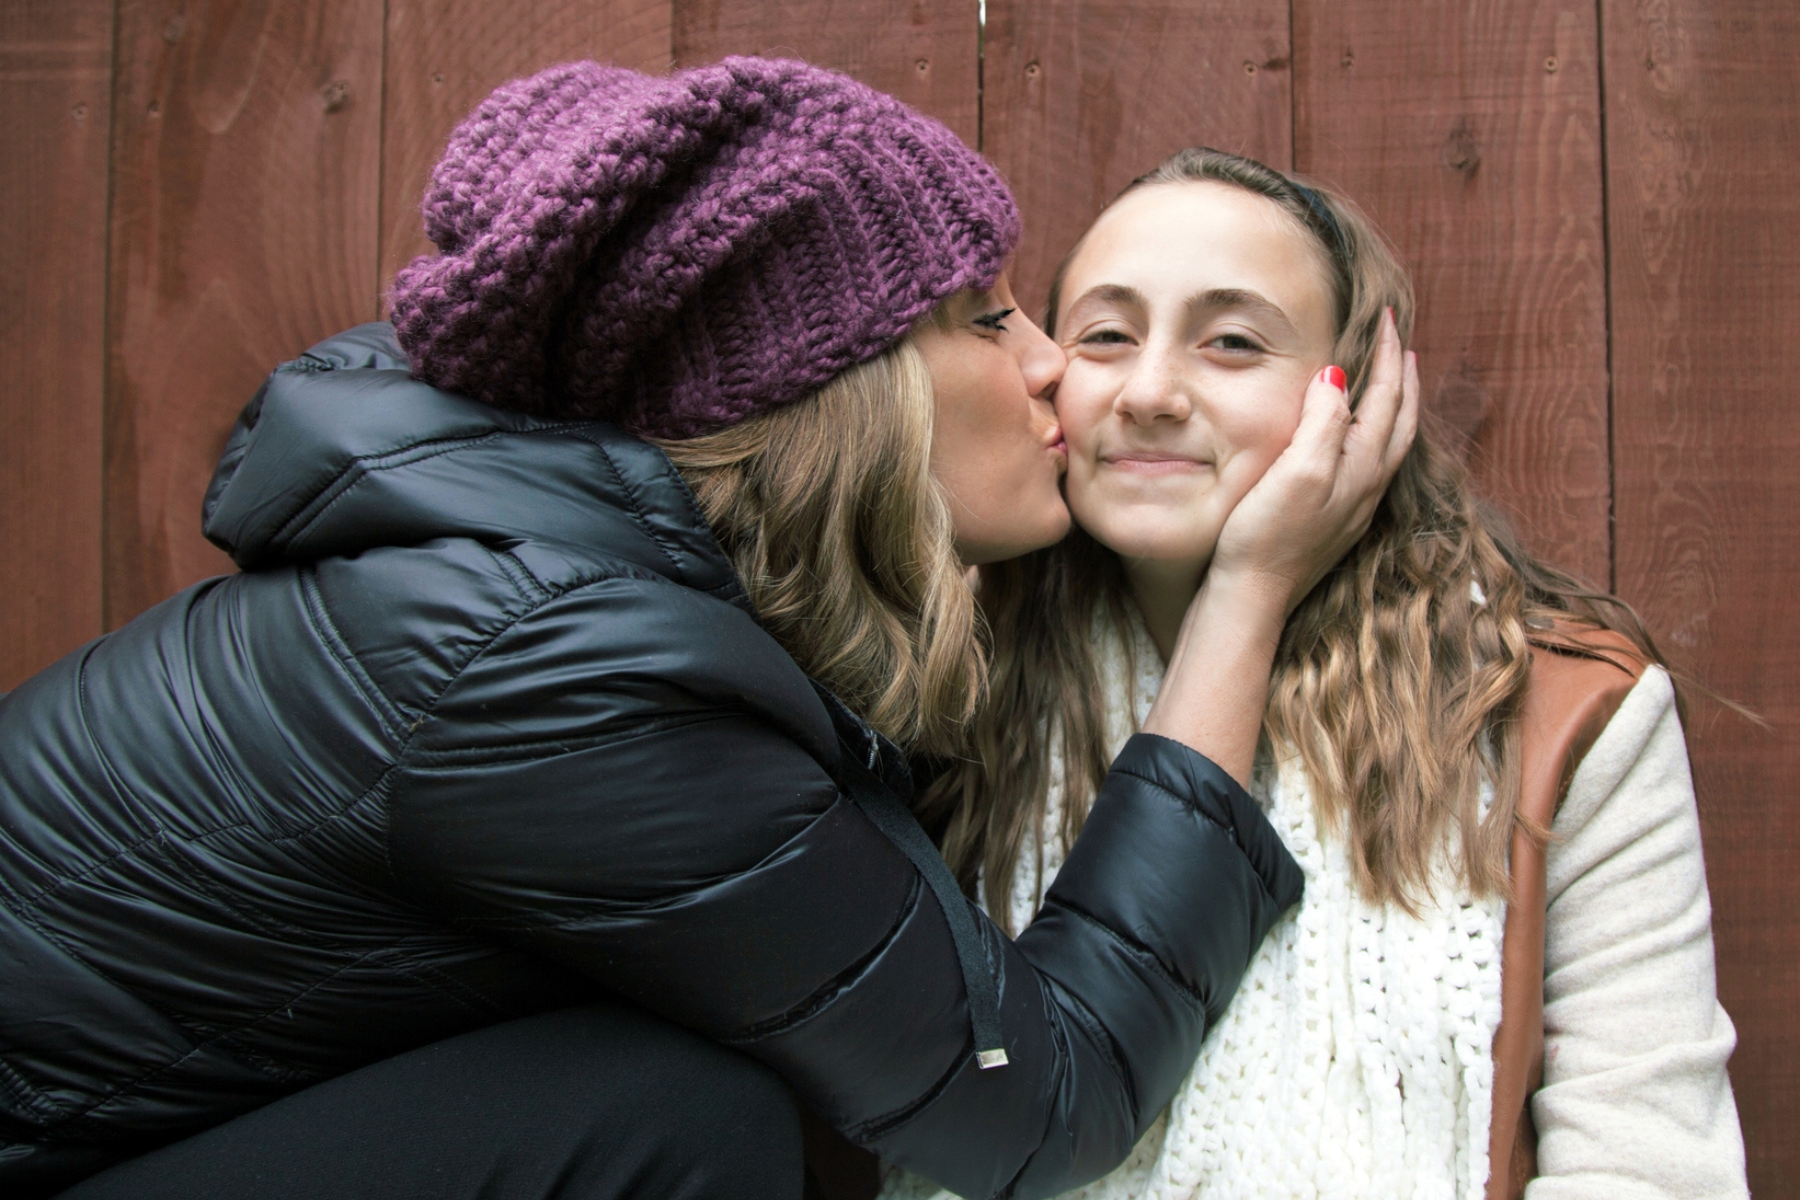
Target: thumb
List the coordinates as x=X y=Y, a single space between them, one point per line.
x=1325 y=421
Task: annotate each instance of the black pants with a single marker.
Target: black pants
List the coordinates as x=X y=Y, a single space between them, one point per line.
x=593 y=1102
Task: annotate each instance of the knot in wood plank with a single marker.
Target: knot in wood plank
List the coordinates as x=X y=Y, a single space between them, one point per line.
x=1460 y=153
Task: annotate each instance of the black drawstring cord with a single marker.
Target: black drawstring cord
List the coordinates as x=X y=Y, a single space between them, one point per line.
x=896 y=822
x=889 y=814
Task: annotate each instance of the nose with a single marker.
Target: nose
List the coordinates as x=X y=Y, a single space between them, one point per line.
x=1041 y=361
x=1154 y=390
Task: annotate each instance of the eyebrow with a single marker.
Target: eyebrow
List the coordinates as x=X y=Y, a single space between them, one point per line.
x=1243 y=298
x=1110 y=293
x=1211 y=299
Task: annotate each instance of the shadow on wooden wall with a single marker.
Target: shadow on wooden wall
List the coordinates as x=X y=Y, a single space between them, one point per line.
x=1595 y=199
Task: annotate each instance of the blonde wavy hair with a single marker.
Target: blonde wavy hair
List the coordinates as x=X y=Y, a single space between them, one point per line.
x=843 y=540
x=1398 y=681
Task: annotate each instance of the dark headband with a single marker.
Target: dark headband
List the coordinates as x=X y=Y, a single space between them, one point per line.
x=1334 y=233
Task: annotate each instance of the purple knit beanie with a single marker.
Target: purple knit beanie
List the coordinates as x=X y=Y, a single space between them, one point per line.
x=678 y=253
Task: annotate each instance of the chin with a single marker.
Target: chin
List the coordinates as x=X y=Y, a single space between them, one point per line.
x=1051 y=533
x=1053 y=524
x=1139 y=535
x=1019 y=540
x=1158 y=531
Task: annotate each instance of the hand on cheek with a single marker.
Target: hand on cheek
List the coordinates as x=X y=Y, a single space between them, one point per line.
x=1318 y=497
x=1254 y=458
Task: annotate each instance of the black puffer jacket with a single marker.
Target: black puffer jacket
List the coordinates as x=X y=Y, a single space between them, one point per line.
x=487 y=725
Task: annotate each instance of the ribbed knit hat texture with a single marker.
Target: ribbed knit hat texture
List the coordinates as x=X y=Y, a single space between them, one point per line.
x=677 y=253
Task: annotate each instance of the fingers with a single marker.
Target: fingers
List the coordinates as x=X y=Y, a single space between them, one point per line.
x=1401 y=440
x=1325 y=421
x=1378 y=412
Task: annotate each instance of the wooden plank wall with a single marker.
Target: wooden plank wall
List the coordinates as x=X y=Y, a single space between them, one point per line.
x=246 y=141
x=55 y=121
x=1703 y=142
x=1595 y=195
x=923 y=52
x=1476 y=147
x=1081 y=98
x=444 y=56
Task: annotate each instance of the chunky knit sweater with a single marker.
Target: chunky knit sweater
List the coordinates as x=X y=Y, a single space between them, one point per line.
x=1355 y=1060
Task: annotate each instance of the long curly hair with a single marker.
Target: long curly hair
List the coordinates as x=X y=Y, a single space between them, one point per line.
x=1398 y=681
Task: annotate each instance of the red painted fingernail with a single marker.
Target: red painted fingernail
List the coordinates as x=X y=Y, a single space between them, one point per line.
x=1335 y=377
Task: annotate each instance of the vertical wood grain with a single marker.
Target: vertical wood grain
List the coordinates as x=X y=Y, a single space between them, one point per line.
x=1081 y=97
x=1471 y=133
x=444 y=56
x=245 y=159
x=266 y=161
x=1703 y=139
x=55 y=111
x=922 y=51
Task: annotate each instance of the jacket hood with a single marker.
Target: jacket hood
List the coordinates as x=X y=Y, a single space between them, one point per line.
x=344 y=451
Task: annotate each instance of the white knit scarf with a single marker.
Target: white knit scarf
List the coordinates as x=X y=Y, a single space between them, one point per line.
x=1355 y=1060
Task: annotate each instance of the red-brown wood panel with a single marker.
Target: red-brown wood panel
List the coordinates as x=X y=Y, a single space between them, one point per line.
x=1702 y=145
x=923 y=51
x=1470 y=131
x=246 y=148
x=1080 y=98
x=444 y=56
x=55 y=106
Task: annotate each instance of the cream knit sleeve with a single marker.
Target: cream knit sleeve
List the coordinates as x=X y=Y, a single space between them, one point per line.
x=1635 y=1101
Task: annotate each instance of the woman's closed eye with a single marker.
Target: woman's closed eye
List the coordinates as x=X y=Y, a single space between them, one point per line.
x=992 y=321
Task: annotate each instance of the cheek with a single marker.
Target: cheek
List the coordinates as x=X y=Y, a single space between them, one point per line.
x=985 y=445
x=1257 y=434
x=1080 y=408
x=963 y=423
x=1275 y=436
x=984 y=405
x=1084 y=462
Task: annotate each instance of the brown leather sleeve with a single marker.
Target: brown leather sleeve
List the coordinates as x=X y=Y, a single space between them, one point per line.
x=1578 y=680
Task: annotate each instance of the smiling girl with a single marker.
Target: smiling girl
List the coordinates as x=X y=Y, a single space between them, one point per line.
x=1477 y=762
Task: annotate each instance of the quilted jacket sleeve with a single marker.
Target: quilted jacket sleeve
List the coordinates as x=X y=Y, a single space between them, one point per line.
x=634 y=781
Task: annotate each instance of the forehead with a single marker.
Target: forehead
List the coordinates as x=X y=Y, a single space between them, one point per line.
x=1192 y=236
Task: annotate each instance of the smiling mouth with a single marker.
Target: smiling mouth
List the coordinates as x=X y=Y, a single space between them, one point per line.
x=1153 y=464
